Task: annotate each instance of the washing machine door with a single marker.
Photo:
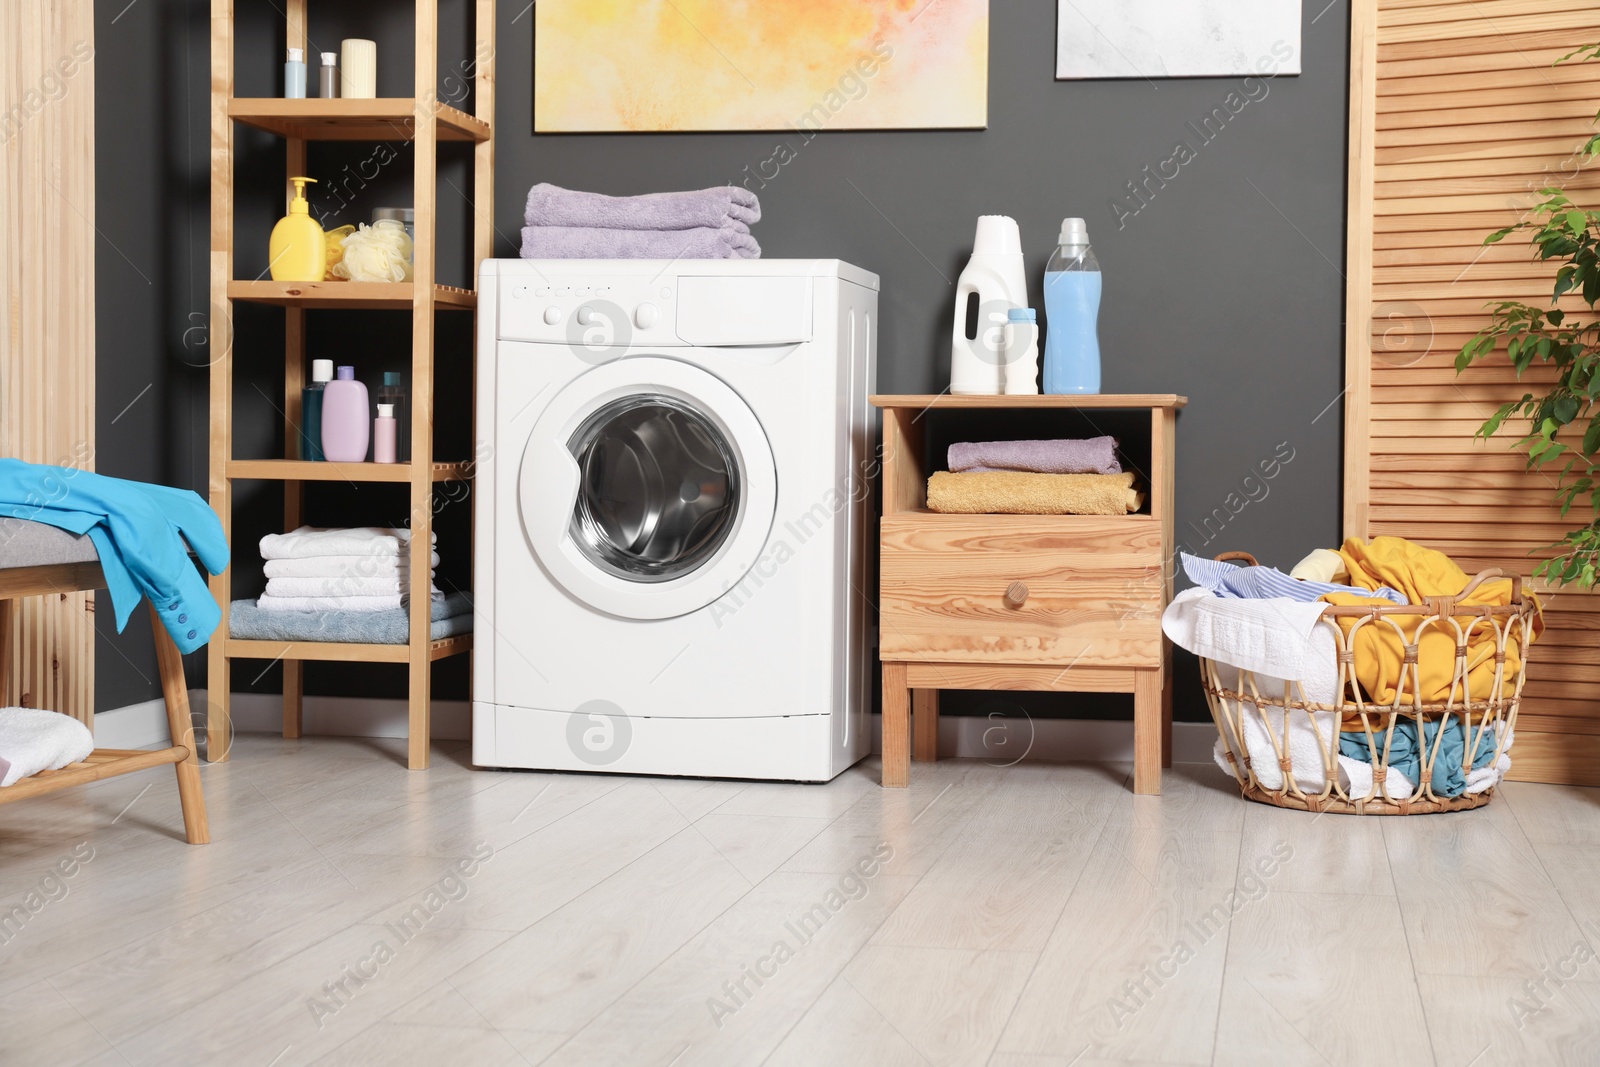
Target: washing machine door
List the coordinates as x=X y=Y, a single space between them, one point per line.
x=648 y=488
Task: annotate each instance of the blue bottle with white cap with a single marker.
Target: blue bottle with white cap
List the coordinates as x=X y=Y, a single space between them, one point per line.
x=1072 y=313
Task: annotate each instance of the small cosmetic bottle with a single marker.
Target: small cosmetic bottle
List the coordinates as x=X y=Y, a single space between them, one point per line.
x=383 y=435
x=328 y=77
x=294 y=75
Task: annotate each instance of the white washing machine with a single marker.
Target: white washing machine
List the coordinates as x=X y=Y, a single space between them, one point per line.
x=671 y=516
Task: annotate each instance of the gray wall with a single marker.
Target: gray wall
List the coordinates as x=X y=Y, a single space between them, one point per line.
x=1225 y=286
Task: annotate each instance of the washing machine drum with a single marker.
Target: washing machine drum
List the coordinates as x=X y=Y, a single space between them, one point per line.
x=648 y=488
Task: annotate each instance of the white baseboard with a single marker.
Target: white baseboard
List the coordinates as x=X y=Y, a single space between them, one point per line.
x=144 y=725
x=997 y=740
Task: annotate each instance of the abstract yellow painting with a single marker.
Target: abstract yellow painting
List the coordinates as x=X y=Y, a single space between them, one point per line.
x=657 y=65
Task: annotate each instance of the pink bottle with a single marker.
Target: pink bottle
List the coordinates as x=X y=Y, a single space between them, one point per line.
x=383 y=435
x=345 y=426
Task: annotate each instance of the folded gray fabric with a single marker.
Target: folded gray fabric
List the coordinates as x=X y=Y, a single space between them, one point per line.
x=568 y=242
x=1097 y=455
x=577 y=242
x=451 y=616
x=34 y=544
x=551 y=205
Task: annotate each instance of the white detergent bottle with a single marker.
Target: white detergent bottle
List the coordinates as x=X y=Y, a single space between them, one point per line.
x=994 y=281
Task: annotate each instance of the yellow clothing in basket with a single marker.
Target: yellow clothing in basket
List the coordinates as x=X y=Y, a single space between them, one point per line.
x=1420 y=573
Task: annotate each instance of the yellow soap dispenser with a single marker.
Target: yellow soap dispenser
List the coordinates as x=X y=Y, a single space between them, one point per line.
x=299 y=248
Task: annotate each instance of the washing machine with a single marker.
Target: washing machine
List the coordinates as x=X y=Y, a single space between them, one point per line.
x=672 y=510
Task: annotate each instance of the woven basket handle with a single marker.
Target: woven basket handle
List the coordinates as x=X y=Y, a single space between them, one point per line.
x=1488 y=575
x=1244 y=557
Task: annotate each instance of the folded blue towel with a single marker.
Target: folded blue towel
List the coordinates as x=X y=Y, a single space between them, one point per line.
x=451 y=616
x=551 y=205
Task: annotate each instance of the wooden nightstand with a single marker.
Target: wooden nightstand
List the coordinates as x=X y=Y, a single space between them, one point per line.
x=1060 y=603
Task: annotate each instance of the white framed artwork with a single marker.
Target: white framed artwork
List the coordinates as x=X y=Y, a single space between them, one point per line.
x=1176 y=38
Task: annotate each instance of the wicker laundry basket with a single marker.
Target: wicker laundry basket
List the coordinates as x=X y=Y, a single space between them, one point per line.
x=1239 y=704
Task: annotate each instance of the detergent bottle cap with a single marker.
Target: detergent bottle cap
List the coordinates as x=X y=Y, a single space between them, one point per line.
x=1022 y=315
x=322 y=370
x=385 y=411
x=998 y=235
x=347 y=374
x=1074 y=232
x=298 y=205
x=297 y=55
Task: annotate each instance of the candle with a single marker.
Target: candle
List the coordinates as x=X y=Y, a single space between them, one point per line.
x=358 y=69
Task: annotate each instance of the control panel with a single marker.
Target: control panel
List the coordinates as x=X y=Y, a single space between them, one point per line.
x=614 y=314
x=598 y=314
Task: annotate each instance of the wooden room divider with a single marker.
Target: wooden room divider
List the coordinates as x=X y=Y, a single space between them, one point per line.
x=47 y=240
x=1459 y=115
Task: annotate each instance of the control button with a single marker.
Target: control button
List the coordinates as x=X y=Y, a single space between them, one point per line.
x=586 y=316
x=666 y=292
x=519 y=292
x=552 y=315
x=646 y=315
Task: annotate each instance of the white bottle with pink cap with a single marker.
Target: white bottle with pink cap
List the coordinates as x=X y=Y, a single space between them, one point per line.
x=346 y=419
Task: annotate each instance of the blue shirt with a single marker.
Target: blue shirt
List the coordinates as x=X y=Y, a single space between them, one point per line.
x=1265 y=583
x=139 y=530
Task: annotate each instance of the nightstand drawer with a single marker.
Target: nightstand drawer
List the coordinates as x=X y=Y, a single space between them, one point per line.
x=1073 y=590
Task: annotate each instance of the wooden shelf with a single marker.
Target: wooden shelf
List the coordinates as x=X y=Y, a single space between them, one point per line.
x=341 y=652
x=385 y=119
x=421 y=122
x=1124 y=401
x=298 y=470
x=358 y=295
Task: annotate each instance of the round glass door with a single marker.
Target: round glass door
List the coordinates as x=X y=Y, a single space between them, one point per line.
x=648 y=488
x=658 y=489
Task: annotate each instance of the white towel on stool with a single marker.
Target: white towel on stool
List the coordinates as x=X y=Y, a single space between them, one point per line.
x=342 y=566
x=32 y=740
x=356 y=541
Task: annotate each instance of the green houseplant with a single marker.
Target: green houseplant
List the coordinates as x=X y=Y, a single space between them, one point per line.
x=1564 y=422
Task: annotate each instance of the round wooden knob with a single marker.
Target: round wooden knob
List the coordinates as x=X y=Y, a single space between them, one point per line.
x=1016 y=595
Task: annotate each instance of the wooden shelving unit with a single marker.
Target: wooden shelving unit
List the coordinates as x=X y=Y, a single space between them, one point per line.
x=424 y=122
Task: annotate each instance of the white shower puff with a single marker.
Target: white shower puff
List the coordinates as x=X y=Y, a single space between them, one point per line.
x=377 y=253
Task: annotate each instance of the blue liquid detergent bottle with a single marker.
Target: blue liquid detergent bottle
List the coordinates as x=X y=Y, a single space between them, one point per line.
x=1072 y=313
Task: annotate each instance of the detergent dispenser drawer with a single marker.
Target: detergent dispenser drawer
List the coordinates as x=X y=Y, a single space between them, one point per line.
x=718 y=312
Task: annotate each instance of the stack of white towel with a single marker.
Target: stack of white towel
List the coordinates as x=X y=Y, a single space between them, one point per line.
x=363 y=569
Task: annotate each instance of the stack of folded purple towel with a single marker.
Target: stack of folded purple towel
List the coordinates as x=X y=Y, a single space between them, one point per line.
x=1096 y=455
x=707 y=224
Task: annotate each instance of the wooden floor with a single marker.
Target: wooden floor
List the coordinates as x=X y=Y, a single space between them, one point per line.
x=1033 y=916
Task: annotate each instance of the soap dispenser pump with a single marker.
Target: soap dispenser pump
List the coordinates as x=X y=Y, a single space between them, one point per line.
x=299 y=248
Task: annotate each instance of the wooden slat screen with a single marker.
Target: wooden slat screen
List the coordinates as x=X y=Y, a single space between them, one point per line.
x=1458 y=118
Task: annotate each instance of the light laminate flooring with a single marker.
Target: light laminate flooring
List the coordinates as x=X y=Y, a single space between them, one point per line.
x=1040 y=915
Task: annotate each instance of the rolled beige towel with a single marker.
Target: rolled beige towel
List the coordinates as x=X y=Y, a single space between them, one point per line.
x=1017 y=493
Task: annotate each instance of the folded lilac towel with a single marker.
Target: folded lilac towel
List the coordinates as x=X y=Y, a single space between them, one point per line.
x=1097 y=455
x=588 y=242
x=550 y=205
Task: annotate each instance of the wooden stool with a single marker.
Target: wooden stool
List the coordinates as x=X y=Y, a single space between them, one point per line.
x=58 y=562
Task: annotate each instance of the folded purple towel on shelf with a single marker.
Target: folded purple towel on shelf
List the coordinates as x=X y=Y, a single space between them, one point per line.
x=1096 y=455
x=716 y=208
x=593 y=242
